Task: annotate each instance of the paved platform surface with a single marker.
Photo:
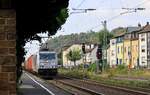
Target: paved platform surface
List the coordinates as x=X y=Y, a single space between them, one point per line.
x=32 y=85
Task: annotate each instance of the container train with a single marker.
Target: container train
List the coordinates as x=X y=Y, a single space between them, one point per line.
x=43 y=63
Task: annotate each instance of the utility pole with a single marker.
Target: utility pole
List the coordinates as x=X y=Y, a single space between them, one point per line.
x=84 y=58
x=104 y=57
x=99 y=57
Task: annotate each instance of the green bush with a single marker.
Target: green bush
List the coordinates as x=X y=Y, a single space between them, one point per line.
x=122 y=69
x=92 y=67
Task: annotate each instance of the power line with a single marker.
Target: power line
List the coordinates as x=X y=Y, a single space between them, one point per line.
x=142 y=3
x=80 y=3
x=100 y=3
x=108 y=20
x=132 y=10
x=129 y=10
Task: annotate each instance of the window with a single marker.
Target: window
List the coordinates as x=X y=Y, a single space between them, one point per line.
x=137 y=35
x=148 y=52
x=118 y=39
x=117 y=61
x=120 y=61
x=143 y=59
x=113 y=42
x=112 y=53
x=134 y=35
x=143 y=46
x=129 y=49
x=143 y=50
x=118 y=49
x=121 y=49
x=143 y=39
x=142 y=35
x=148 y=40
x=47 y=56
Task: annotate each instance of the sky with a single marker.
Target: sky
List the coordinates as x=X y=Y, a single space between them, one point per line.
x=109 y=10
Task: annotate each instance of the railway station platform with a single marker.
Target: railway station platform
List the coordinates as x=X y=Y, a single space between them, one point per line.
x=28 y=86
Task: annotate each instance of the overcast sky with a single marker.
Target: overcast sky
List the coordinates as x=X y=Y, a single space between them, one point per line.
x=105 y=10
x=108 y=10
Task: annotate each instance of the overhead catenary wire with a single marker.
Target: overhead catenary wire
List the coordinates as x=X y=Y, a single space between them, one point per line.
x=100 y=3
x=136 y=6
x=142 y=3
x=114 y=17
x=80 y=3
x=108 y=20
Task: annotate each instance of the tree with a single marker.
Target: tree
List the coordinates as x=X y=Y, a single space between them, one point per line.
x=60 y=59
x=74 y=55
x=37 y=16
x=101 y=37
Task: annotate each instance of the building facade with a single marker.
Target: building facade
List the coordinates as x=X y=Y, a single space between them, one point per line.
x=148 y=49
x=88 y=58
x=143 y=49
x=127 y=49
x=127 y=52
x=135 y=53
x=113 y=52
x=67 y=62
x=131 y=46
x=119 y=42
x=108 y=56
x=93 y=54
x=144 y=46
x=135 y=49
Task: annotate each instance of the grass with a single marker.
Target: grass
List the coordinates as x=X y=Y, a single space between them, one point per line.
x=107 y=76
x=131 y=73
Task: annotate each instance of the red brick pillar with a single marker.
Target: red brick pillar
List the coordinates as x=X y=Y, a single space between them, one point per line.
x=7 y=52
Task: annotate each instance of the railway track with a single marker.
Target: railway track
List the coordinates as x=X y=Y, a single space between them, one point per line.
x=73 y=89
x=90 y=87
x=94 y=88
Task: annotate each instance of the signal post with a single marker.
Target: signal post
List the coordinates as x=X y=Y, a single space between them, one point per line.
x=100 y=65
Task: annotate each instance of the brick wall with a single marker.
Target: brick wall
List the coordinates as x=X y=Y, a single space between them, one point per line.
x=7 y=52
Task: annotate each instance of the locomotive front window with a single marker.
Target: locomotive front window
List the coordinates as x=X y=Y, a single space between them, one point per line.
x=47 y=56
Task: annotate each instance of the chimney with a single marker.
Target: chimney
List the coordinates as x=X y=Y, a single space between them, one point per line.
x=139 y=25
x=147 y=23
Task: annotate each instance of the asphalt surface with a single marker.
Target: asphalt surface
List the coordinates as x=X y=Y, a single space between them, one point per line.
x=32 y=85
